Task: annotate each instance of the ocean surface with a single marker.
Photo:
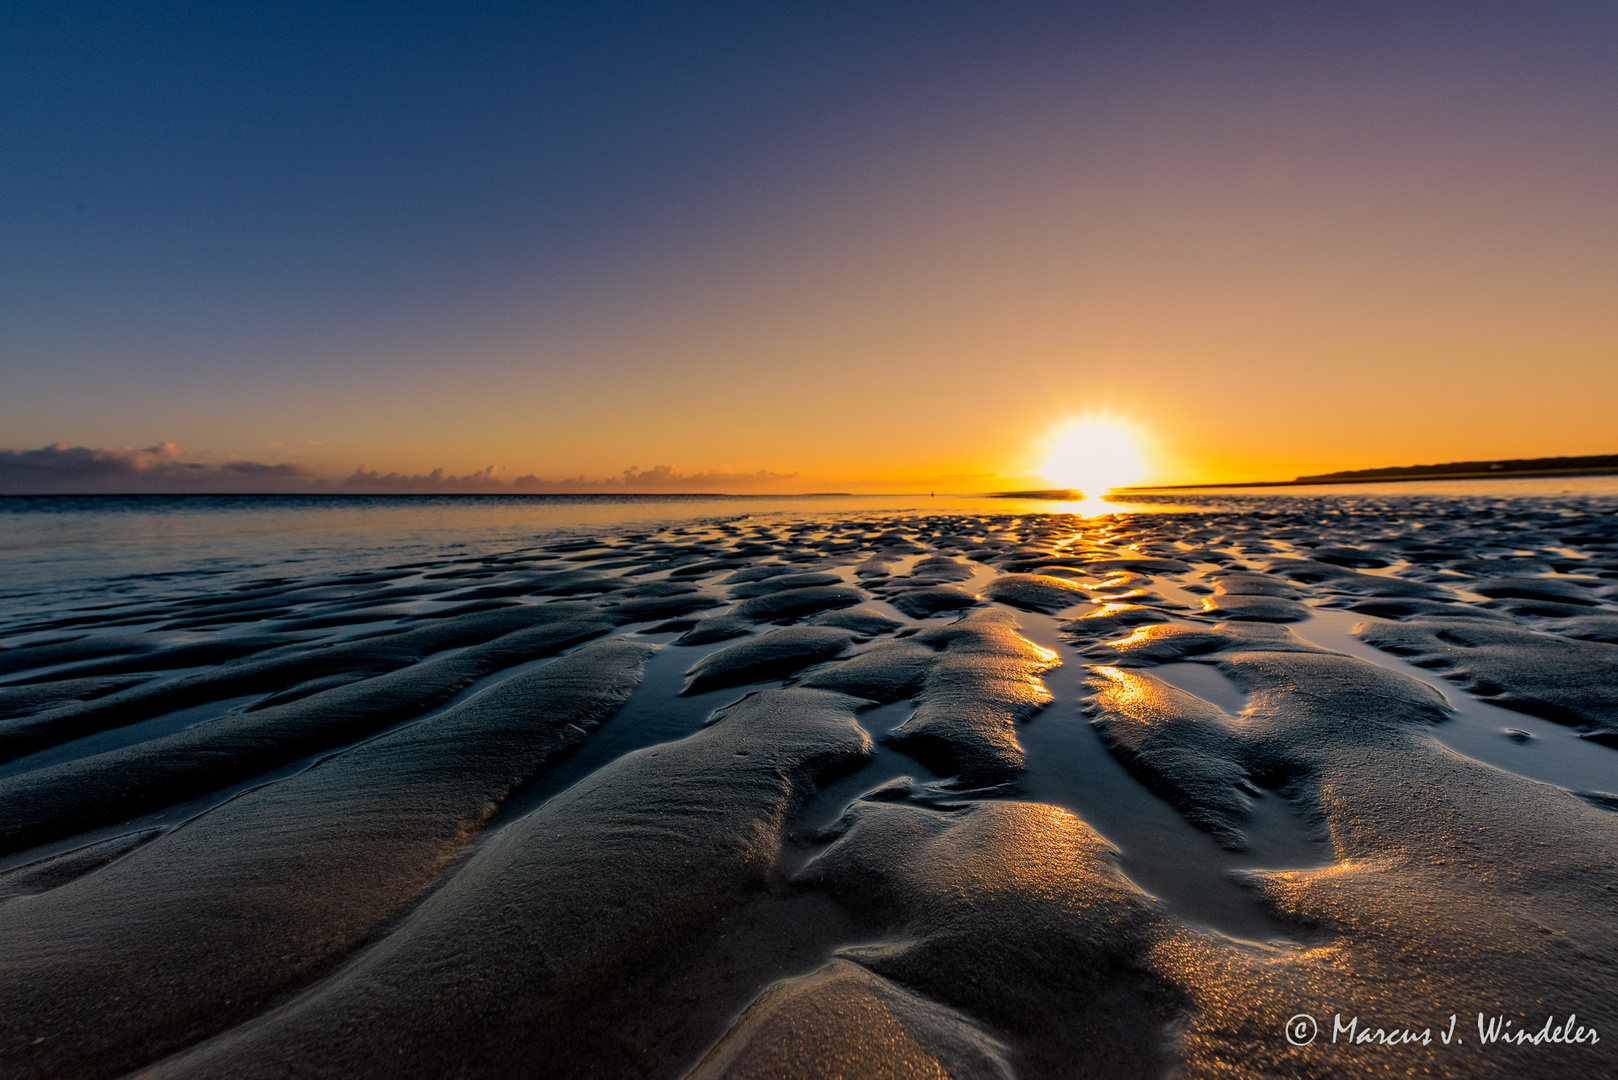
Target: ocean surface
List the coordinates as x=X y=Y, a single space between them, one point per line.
x=62 y=550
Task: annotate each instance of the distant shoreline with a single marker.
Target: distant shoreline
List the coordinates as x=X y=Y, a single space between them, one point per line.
x=1525 y=469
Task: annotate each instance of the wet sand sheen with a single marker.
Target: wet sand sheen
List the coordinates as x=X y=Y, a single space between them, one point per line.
x=778 y=797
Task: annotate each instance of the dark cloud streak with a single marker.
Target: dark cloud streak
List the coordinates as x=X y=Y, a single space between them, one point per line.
x=661 y=478
x=61 y=469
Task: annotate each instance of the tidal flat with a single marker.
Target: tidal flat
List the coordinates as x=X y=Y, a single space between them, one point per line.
x=819 y=791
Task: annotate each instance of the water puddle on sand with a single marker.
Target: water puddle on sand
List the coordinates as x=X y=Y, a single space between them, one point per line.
x=885 y=765
x=1515 y=742
x=1551 y=753
x=655 y=713
x=1204 y=681
x=1069 y=766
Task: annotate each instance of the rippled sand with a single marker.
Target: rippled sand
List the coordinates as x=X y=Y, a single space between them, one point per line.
x=972 y=795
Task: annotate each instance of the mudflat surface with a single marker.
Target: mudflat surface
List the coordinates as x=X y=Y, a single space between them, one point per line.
x=1277 y=786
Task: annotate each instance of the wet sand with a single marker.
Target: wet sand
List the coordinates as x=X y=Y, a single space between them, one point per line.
x=837 y=794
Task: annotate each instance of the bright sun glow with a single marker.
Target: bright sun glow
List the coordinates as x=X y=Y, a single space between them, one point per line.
x=1094 y=455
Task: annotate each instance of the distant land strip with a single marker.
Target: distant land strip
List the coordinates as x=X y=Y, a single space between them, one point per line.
x=1046 y=494
x=1525 y=468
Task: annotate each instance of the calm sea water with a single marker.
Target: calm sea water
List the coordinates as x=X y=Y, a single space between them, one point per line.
x=63 y=548
x=67 y=544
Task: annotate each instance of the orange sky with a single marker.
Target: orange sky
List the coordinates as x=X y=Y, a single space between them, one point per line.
x=1338 y=313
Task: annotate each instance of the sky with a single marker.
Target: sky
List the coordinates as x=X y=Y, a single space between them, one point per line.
x=798 y=246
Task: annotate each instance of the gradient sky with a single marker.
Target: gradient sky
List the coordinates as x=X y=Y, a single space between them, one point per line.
x=805 y=246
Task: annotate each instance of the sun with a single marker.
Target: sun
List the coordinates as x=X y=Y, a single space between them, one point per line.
x=1094 y=455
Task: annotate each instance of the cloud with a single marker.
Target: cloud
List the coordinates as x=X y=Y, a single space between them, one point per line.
x=664 y=478
x=61 y=469
x=79 y=470
x=366 y=479
x=658 y=478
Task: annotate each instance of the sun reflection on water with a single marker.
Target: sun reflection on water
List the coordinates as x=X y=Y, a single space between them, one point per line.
x=1089 y=506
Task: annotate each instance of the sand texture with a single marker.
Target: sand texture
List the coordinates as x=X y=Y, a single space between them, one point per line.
x=961 y=795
